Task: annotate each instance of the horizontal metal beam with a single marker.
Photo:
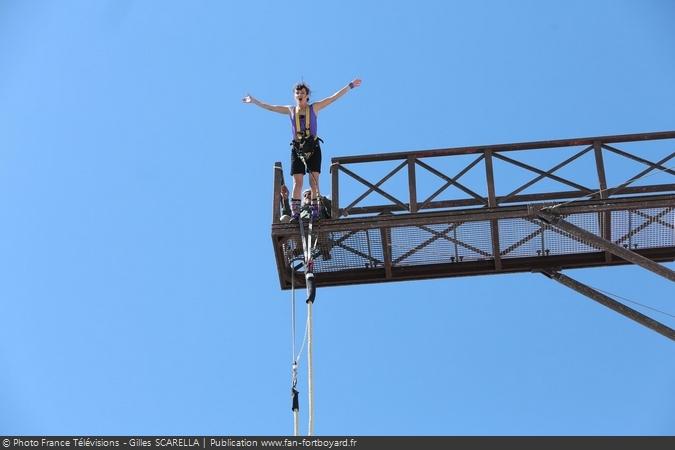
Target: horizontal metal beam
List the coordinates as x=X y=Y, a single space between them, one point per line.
x=536 y=145
x=475 y=267
x=476 y=214
x=611 y=303
x=505 y=200
x=557 y=221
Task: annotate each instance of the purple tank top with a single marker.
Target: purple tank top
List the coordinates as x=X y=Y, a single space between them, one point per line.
x=312 y=122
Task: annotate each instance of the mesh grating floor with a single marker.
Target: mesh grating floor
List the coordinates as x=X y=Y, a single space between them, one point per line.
x=644 y=228
x=441 y=243
x=344 y=250
x=472 y=241
x=528 y=237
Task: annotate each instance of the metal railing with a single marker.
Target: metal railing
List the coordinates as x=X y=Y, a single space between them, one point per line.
x=412 y=161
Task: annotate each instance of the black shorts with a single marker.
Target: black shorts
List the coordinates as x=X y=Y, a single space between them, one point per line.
x=313 y=162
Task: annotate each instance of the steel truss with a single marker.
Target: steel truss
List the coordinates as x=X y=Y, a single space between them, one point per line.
x=462 y=229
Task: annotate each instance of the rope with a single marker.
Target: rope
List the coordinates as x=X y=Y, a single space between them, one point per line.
x=308 y=250
x=296 y=403
x=310 y=173
x=304 y=341
x=308 y=270
x=310 y=381
x=296 y=357
x=632 y=301
x=620 y=186
x=294 y=365
x=293 y=313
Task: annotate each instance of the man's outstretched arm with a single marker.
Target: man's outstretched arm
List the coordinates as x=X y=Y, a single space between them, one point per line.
x=274 y=108
x=318 y=106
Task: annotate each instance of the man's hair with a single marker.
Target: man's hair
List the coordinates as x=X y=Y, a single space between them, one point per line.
x=302 y=85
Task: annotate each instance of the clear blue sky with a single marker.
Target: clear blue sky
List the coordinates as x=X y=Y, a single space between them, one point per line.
x=138 y=287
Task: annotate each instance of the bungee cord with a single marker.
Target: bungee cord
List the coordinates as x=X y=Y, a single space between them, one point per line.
x=308 y=264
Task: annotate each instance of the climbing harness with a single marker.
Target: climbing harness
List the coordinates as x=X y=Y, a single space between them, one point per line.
x=303 y=138
x=304 y=144
x=305 y=147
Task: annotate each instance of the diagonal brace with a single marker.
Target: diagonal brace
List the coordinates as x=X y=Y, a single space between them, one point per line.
x=649 y=221
x=548 y=174
x=444 y=235
x=374 y=187
x=377 y=185
x=557 y=221
x=611 y=303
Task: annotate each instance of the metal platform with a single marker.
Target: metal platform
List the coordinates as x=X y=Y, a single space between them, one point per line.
x=490 y=210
